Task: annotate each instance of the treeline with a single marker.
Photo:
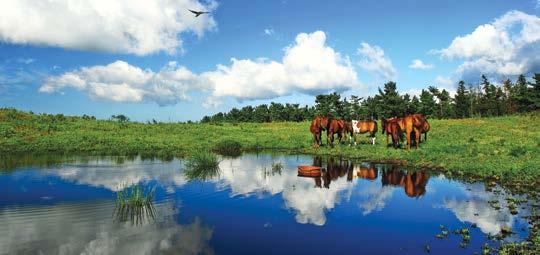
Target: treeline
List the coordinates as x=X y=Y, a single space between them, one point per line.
x=484 y=99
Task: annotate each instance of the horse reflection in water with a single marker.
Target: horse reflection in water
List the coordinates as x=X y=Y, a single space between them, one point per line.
x=413 y=182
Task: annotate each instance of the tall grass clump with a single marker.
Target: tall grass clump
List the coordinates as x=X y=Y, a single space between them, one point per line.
x=202 y=166
x=135 y=205
x=228 y=147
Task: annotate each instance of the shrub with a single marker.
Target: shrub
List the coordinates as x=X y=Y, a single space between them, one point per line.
x=228 y=148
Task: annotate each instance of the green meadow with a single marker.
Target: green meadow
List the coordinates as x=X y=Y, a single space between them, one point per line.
x=500 y=148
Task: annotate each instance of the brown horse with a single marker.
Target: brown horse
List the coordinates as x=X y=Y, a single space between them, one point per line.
x=361 y=127
x=412 y=124
x=332 y=127
x=348 y=130
x=316 y=129
x=425 y=125
x=391 y=128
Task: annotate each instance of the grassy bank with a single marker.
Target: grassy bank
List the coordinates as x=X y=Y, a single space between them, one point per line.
x=504 y=148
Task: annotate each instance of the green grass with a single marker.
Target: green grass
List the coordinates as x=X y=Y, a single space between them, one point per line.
x=135 y=205
x=504 y=149
x=202 y=166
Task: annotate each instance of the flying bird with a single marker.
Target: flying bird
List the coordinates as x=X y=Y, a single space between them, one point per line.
x=197 y=14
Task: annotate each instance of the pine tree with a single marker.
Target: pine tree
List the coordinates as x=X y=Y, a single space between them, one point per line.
x=391 y=103
x=534 y=93
x=427 y=103
x=462 y=102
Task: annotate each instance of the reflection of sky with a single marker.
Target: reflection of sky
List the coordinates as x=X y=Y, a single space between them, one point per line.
x=114 y=177
x=476 y=199
x=88 y=228
x=246 y=176
x=243 y=188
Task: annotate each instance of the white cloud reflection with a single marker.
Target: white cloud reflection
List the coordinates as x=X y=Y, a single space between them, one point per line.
x=88 y=228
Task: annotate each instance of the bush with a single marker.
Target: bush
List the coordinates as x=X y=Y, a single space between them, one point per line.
x=228 y=148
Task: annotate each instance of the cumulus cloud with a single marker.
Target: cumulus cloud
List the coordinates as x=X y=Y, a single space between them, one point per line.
x=508 y=46
x=125 y=26
x=122 y=82
x=308 y=66
x=419 y=64
x=376 y=62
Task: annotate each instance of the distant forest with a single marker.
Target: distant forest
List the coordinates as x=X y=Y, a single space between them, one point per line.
x=485 y=99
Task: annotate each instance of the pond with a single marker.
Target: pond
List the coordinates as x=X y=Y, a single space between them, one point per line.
x=254 y=204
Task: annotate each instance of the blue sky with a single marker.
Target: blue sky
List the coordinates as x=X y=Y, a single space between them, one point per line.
x=285 y=51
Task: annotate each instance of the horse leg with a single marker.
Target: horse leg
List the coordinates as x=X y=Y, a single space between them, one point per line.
x=417 y=138
x=408 y=132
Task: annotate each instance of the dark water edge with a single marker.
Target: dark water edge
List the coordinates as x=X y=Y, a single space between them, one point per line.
x=66 y=204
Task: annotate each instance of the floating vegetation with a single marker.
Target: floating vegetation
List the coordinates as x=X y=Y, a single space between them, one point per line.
x=465 y=237
x=277 y=166
x=135 y=205
x=229 y=148
x=486 y=250
x=443 y=234
x=202 y=166
x=495 y=204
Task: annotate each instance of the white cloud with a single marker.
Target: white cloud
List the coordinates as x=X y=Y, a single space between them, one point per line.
x=269 y=31
x=376 y=62
x=419 y=64
x=125 y=26
x=308 y=66
x=508 y=46
x=122 y=82
x=26 y=60
x=87 y=228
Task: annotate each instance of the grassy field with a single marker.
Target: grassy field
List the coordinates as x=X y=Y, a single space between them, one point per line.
x=503 y=149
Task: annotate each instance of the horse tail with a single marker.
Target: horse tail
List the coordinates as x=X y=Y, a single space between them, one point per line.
x=425 y=136
x=375 y=129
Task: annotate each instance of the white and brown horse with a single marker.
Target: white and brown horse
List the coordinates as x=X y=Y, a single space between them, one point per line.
x=361 y=127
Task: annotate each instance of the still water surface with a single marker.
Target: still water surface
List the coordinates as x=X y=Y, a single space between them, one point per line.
x=248 y=208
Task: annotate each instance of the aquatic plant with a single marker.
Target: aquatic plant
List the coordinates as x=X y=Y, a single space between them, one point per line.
x=135 y=205
x=277 y=166
x=202 y=166
x=231 y=148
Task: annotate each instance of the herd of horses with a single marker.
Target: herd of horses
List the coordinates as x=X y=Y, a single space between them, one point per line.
x=411 y=126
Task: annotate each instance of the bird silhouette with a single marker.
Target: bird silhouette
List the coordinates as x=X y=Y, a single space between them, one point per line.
x=197 y=13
